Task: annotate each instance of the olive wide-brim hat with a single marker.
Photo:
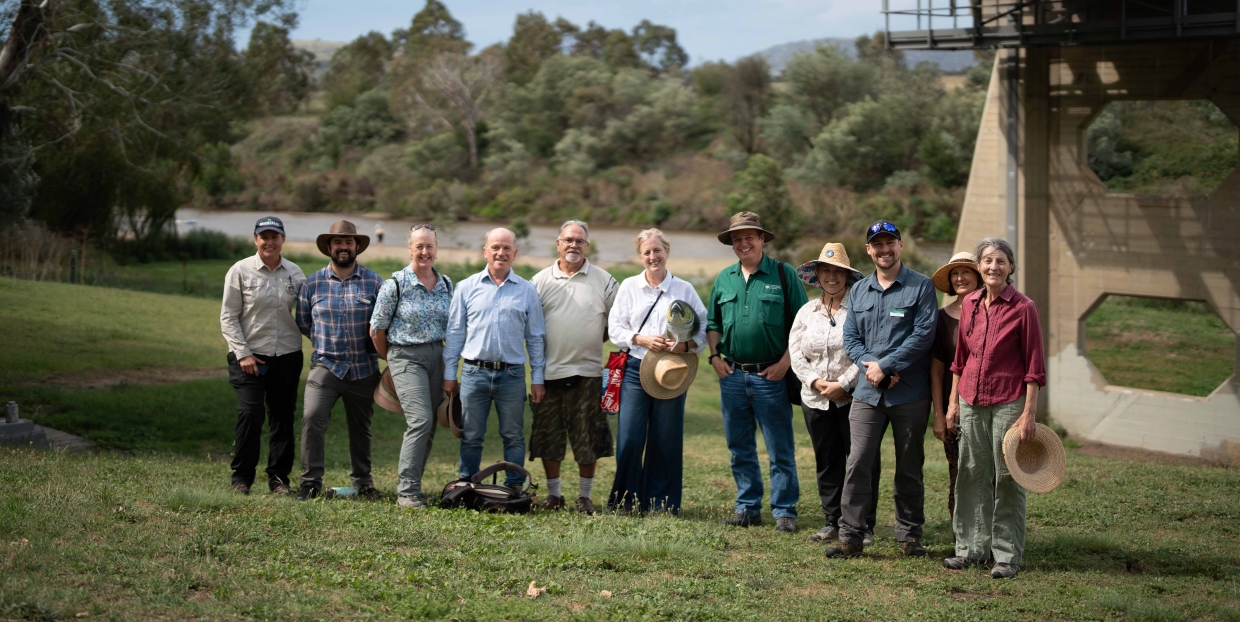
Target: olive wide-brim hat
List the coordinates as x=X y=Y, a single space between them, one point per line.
x=665 y=375
x=745 y=220
x=833 y=254
x=1039 y=464
x=341 y=228
x=942 y=276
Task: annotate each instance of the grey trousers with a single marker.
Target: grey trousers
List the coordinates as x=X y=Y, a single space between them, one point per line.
x=908 y=425
x=417 y=373
x=323 y=390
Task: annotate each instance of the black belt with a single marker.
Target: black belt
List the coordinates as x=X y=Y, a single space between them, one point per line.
x=487 y=364
x=752 y=368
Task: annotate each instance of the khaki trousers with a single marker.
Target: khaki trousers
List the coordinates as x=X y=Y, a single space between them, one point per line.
x=990 y=505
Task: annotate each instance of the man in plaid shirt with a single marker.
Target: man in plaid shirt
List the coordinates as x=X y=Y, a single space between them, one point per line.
x=334 y=311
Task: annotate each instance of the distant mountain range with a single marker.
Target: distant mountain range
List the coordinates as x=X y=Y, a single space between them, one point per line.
x=948 y=61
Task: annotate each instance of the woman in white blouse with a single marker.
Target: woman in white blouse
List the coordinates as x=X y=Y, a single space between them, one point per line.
x=816 y=347
x=646 y=424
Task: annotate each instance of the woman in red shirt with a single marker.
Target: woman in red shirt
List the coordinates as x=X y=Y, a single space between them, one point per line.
x=998 y=369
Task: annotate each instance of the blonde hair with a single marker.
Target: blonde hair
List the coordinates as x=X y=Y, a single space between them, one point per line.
x=651 y=233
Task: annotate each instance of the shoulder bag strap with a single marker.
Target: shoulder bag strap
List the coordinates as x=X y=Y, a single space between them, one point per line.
x=783 y=282
x=478 y=477
x=645 y=319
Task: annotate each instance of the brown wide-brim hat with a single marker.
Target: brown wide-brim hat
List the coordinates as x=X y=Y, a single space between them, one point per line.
x=745 y=220
x=451 y=414
x=385 y=394
x=1038 y=465
x=338 y=229
x=665 y=375
x=941 y=278
x=832 y=254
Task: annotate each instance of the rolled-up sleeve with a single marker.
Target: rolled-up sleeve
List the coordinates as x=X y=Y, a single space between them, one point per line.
x=385 y=307
x=230 y=314
x=1031 y=339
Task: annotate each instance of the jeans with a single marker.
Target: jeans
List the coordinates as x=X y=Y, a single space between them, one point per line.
x=279 y=388
x=749 y=401
x=506 y=389
x=908 y=427
x=830 y=435
x=417 y=374
x=323 y=390
x=990 y=505
x=657 y=428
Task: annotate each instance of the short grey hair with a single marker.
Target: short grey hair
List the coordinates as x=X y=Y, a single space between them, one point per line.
x=1000 y=245
x=579 y=223
x=651 y=233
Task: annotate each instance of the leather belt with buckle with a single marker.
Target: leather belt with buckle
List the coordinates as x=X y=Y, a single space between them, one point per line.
x=752 y=368
x=487 y=364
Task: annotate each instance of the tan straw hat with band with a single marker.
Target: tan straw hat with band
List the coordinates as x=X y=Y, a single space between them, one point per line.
x=385 y=393
x=832 y=254
x=1038 y=465
x=665 y=375
x=745 y=220
x=455 y=420
x=941 y=278
x=341 y=228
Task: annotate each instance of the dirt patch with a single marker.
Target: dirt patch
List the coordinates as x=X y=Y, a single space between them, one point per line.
x=1116 y=452
x=107 y=379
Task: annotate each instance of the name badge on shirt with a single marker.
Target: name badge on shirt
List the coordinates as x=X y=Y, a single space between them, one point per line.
x=897 y=313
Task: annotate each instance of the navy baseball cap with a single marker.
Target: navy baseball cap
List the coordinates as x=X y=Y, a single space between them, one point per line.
x=881 y=227
x=269 y=223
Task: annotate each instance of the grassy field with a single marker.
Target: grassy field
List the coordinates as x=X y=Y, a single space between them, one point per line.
x=154 y=532
x=1181 y=347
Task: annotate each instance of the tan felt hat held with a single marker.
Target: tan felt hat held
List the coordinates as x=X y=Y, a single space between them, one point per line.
x=665 y=375
x=745 y=220
x=341 y=228
x=385 y=394
x=942 y=276
x=455 y=420
x=833 y=253
x=1038 y=465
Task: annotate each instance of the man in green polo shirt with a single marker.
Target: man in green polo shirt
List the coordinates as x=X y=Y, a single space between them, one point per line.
x=747 y=329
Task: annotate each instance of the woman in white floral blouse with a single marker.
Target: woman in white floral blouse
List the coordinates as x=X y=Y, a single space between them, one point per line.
x=816 y=346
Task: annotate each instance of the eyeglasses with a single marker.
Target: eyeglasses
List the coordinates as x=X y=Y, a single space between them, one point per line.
x=882 y=226
x=574 y=241
x=422 y=225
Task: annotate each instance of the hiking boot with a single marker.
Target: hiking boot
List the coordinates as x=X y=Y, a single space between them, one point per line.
x=741 y=519
x=1004 y=571
x=410 y=503
x=867 y=539
x=826 y=534
x=368 y=492
x=843 y=548
x=585 y=506
x=912 y=548
x=960 y=563
x=553 y=503
x=786 y=524
x=282 y=490
x=241 y=488
x=307 y=491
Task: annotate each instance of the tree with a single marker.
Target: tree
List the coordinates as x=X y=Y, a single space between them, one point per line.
x=618 y=50
x=433 y=31
x=356 y=68
x=279 y=72
x=761 y=189
x=658 y=46
x=534 y=40
x=748 y=93
x=453 y=90
x=873 y=51
x=824 y=80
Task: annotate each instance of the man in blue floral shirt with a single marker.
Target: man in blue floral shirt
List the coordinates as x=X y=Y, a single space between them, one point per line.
x=334 y=311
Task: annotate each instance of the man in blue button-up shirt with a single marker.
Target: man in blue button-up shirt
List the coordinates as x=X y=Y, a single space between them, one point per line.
x=888 y=333
x=496 y=318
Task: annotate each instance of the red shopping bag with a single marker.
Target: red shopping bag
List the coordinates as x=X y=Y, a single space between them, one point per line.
x=613 y=378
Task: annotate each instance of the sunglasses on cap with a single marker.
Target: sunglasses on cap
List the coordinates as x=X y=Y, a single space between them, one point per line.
x=422 y=225
x=882 y=226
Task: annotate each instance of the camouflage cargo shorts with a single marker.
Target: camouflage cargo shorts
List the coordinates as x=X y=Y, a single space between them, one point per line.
x=571 y=409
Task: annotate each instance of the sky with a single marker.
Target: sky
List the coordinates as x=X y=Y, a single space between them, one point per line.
x=706 y=29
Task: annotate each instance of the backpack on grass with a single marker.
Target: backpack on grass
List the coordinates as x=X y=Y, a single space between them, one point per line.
x=472 y=494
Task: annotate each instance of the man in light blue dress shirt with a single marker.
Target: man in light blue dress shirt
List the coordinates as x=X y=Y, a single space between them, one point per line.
x=496 y=318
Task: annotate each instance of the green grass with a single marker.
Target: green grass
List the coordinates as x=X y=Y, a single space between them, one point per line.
x=1181 y=347
x=154 y=532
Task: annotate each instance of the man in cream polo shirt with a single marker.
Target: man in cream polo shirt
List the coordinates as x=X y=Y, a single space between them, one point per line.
x=576 y=299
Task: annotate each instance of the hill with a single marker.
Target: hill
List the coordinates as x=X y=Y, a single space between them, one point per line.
x=948 y=61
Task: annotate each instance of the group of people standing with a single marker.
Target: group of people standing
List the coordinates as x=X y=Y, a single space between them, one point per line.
x=868 y=352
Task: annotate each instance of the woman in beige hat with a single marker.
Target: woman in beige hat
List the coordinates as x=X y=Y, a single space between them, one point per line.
x=650 y=428
x=828 y=375
x=957 y=277
x=996 y=374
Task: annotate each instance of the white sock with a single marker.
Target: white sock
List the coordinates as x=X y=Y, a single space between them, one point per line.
x=553 y=487
x=587 y=486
